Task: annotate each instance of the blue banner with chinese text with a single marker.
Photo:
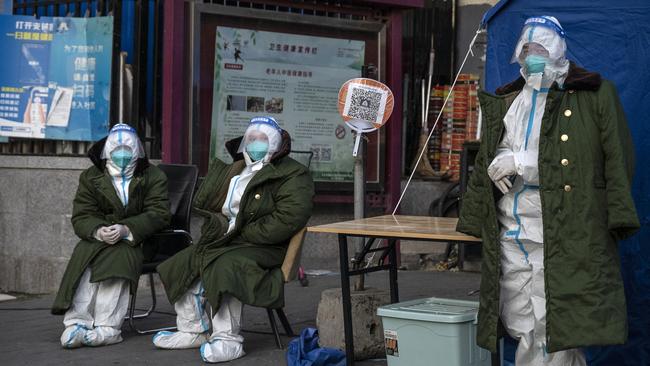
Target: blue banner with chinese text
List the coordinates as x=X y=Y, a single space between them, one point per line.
x=56 y=77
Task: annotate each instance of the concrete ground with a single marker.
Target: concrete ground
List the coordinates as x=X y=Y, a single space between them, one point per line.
x=30 y=335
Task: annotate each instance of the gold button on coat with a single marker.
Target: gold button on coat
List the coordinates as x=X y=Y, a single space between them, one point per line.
x=258 y=196
x=567 y=188
x=564 y=138
x=567 y=113
x=565 y=162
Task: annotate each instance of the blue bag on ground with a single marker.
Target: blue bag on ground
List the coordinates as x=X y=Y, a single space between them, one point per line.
x=304 y=351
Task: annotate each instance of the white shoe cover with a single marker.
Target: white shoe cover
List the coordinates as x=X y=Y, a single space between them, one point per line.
x=73 y=336
x=102 y=336
x=219 y=350
x=179 y=340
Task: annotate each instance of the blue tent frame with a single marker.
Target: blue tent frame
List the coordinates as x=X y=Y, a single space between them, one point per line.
x=612 y=38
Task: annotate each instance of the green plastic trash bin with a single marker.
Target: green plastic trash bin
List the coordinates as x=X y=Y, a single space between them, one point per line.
x=432 y=332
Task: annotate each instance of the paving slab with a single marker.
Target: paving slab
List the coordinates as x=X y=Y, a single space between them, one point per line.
x=30 y=334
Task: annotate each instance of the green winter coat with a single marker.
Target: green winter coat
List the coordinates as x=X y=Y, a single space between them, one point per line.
x=245 y=263
x=97 y=204
x=586 y=208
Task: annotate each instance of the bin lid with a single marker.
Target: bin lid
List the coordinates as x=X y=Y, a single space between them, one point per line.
x=432 y=309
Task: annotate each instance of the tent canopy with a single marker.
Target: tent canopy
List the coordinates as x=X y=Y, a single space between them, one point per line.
x=612 y=38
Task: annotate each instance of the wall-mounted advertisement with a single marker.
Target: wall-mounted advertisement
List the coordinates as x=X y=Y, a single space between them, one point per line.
x=296 y=80
x=56 y=77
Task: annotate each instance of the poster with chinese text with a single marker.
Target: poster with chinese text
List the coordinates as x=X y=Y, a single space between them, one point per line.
x=294 y=79
x=56 y=77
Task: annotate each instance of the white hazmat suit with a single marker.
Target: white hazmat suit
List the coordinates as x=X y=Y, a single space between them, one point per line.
x=541 y=53
x=261 y=140
x=97 y=311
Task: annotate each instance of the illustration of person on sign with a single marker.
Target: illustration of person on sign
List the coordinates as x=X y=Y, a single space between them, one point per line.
x=238 y=55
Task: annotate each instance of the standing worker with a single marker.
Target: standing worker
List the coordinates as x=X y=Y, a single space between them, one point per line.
x=550 y=197
x=121 y=200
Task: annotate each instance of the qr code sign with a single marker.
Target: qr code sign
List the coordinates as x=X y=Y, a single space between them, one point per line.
x=365 y=103
x=322 y=153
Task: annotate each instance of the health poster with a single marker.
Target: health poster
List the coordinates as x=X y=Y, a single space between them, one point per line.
x=294 y=79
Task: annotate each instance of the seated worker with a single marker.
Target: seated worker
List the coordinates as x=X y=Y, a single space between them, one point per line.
x=121 y=200
x=251 y=209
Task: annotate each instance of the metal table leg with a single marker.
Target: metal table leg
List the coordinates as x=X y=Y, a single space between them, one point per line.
x=496 y=359
x=461 y=256
x=345 y=297
x=394 y=291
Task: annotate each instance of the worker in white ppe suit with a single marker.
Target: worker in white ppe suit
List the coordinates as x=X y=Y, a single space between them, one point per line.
x=541 y=54
x=261 y=140
x=97 y=311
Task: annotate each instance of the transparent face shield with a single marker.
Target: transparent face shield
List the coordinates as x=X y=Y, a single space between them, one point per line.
x=541 y=51
x=531 y=48
x=541 y=36
x=123 y=138
x=260 y=142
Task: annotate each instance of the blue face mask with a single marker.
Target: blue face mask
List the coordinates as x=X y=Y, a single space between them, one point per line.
x=121 y=157
x=257 y=150
x=535 y=64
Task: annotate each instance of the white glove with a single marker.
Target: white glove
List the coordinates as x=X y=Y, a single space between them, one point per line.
x=502 y=166
x=112 y=234
x=103 y=234
x=117 y=233
x=503 y=185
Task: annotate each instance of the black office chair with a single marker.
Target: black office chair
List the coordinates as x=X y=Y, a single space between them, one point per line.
x=303 y=157
x=449 y=203
x=291 y=267
x=181 y=184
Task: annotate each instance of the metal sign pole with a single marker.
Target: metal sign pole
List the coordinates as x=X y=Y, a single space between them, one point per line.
x=357 y=98
x=360 y=185
x=120 y=101
x=359 y=202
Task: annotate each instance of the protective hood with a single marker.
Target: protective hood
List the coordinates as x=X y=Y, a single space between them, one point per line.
x=123 y=135
x=95 y=156
x=265 y=132
x=122 y=138
x=542 y=36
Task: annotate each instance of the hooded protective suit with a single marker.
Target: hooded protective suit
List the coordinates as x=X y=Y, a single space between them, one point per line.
x=551 y=272
x=238 y=255
x=120 y=201
x=514 y=170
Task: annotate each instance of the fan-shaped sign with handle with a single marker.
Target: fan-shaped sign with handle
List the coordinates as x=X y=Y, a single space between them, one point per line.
x=365 y=105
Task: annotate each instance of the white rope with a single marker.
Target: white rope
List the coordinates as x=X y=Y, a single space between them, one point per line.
x=451 y=91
